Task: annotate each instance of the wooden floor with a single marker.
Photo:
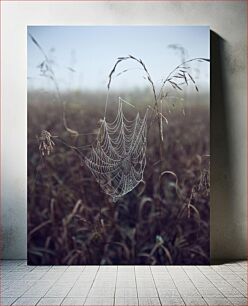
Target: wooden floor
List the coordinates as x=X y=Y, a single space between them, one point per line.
x=123 y=285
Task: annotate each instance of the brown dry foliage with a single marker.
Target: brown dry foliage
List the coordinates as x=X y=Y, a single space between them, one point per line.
x=70 y=219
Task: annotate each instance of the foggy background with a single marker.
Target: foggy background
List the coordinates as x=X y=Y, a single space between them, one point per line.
x=82 y=57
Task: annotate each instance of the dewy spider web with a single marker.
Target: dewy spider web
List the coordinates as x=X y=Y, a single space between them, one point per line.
x=119 y=157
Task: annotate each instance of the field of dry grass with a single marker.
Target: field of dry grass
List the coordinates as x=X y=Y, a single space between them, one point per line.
x=70 y=219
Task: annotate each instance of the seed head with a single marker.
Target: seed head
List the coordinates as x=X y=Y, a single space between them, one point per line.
x=46 y=145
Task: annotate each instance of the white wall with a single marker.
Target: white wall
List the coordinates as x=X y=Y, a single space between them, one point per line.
x=229 y=97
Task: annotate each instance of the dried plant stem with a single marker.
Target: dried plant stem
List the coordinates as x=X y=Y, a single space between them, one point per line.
x=179 y=72
x=63 y=103
x=156 y=104
x=167 y=79
x=47 y=71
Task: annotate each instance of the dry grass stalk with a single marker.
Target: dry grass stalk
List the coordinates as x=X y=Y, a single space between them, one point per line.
x=47 y=71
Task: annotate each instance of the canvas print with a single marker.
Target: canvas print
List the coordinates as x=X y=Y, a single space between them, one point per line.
x=118 y=145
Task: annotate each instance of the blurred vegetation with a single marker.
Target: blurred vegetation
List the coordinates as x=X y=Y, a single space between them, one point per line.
x=70 y=219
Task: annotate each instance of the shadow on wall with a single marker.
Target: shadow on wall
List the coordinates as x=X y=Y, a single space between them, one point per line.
x=223 y=225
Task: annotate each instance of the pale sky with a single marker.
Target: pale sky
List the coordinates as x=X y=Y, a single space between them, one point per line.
x=91 y=52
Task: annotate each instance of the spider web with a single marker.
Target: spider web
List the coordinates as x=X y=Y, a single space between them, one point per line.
x=118 y=159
